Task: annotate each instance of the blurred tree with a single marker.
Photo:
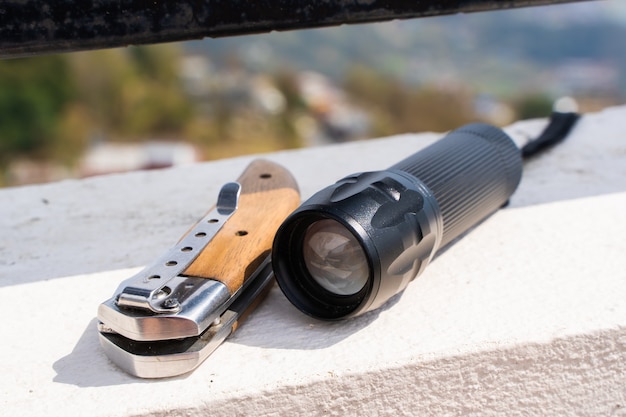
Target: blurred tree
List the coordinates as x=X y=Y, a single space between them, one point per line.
x=135 y=92
x=34 y=93
x=533 y=105
x=286 y=82
x=100 y=77
x=158 y=105
x=398 y=108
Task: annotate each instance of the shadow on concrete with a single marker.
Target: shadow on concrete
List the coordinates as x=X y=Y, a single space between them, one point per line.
x=88 y=366
x=297 y=330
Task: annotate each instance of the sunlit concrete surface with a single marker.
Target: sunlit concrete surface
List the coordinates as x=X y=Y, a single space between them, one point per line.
x=524 y=315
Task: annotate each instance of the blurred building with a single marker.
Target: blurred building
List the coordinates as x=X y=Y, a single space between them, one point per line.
x=587 y=77
x=107 y=158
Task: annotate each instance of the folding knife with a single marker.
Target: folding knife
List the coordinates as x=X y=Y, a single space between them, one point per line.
x=166 y=319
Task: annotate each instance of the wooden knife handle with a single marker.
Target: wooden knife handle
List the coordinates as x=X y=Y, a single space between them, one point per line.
x=268 y=195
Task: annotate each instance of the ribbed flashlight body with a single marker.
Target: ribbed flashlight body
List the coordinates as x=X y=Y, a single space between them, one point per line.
x=471 y=173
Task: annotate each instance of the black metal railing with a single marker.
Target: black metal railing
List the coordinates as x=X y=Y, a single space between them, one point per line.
x=30 y=27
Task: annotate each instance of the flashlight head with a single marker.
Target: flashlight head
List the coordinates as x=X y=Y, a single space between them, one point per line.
x=353 y=245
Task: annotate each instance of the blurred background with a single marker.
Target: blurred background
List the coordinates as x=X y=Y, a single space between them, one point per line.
x=88 y=113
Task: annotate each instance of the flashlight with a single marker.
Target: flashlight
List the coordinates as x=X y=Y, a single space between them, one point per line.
x=355 y=244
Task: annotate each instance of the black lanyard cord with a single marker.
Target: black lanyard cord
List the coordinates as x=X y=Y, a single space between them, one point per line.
x=557 y=130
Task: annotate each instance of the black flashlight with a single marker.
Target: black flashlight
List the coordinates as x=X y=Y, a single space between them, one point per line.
x=355 y=244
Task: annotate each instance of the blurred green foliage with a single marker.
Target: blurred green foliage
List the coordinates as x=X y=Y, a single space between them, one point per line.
x=52 y=107
x=133 y=93
x=33 y=95
x=397 y=108
x=533 y=105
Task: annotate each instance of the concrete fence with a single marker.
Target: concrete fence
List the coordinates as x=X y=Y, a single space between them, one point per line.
x=524 y=315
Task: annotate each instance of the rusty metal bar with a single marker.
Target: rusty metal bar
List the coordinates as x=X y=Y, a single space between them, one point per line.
x=30 y=27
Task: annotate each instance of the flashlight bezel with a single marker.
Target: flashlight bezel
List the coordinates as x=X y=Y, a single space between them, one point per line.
x=299 y=285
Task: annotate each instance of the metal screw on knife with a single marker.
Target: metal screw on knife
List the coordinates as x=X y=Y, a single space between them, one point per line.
x=171 y=303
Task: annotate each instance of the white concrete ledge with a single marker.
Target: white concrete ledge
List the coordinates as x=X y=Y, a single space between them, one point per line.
x=525 y=315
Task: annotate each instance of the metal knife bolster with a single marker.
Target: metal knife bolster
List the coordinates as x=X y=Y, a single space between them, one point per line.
x=188 y=288
x=166 y=358
x=160 y=302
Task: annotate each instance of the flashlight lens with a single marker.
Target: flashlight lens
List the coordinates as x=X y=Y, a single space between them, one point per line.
x=334 y=258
